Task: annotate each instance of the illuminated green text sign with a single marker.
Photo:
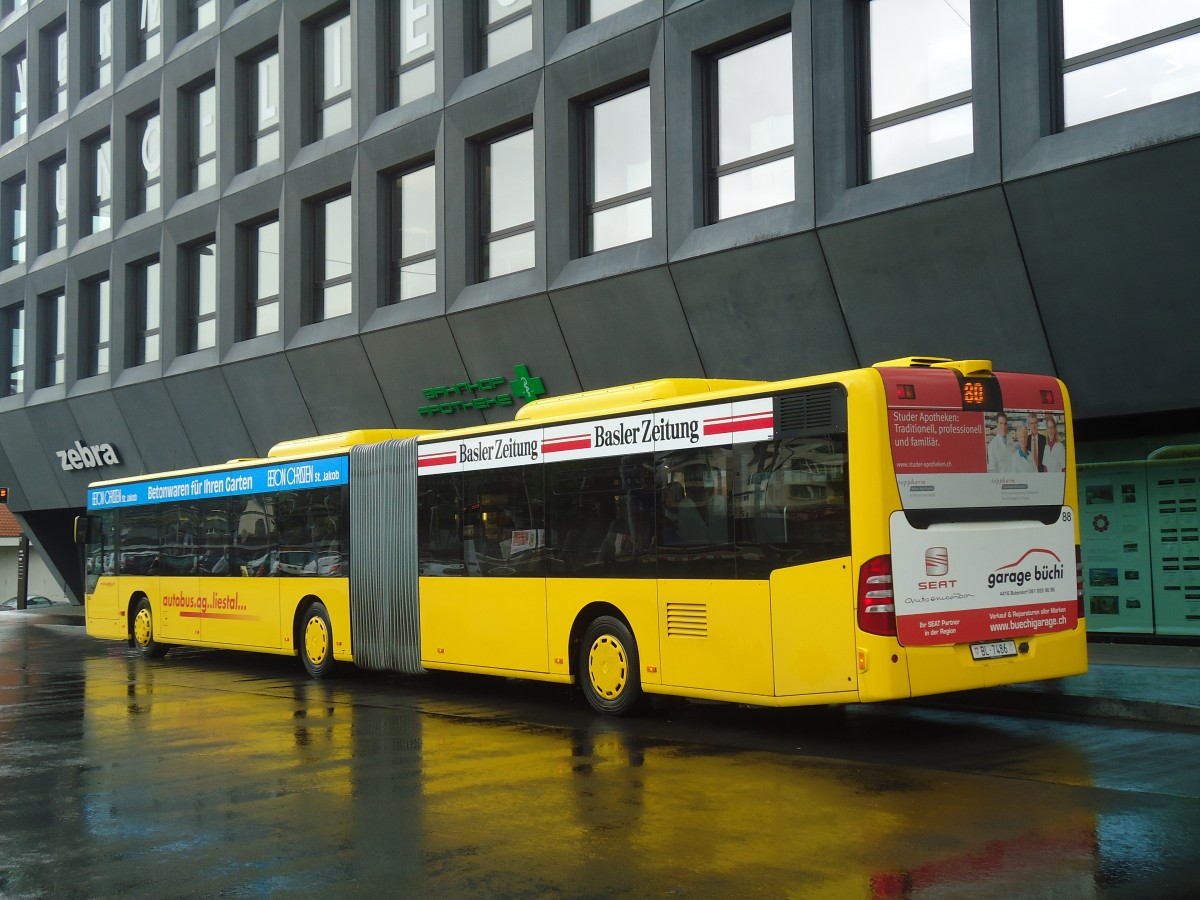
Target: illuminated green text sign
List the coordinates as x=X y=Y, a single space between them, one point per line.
x=464 y=396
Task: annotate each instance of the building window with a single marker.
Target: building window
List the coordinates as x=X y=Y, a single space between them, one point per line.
x=147 y=306
x=412 y=49
x=506 y=30
x=920 y=84
x=753 y=140
x=618 y=192
x=202 y=297
x=598 y=9
x=414 y=234
x=99 y=173
x=334 y=69
x=55 y=192
x=201 y=14
x=16 y=94
x=55 y=67
x=148 y=36
x=263 y=130
x=333 y=257
x=508 y=243
x=147 y=162
x=12 y=349
x=98 y=68
x=1119 y=56
x=262 y=279
x=97 y=298
x=13 y=234
x=202 y=121
x=52 y=325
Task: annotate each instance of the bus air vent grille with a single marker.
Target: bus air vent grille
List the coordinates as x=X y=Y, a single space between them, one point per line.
x=810 y=412
x=687 y=620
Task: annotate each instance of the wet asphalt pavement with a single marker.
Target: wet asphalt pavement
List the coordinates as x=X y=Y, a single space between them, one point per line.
x=219 y=774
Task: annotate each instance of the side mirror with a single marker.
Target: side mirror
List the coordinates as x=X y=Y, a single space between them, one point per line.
x=85 y=529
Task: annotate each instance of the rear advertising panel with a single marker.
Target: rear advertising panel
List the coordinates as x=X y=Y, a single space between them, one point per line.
x=993 y=443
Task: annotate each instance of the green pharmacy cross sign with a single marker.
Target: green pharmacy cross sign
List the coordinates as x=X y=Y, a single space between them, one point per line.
x=448 y=399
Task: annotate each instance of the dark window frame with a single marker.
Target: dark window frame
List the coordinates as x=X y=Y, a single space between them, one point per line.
x=141 y=331
x=12 y=333
x=14 y=195
x=487 y=29
x=99 y=205
x=54 y=95
x=54 y=220
x=193 y=14
x=195 y=318
x=590 y=207
x=714 y=170
x=196 y=158
x=253 y=133
x=98 y=68
x=321 y=103
x=143 y=182
x=144 y=38
x=487 y=237
x=15 y=85
x=97 y=332
x=321 y=283
x=1066 y=66
x=872 y=124
x=397 y=69
x=396 y=261
x=52 y=347
x=251 y=301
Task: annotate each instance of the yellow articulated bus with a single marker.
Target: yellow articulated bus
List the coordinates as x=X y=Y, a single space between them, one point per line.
x=888 y=532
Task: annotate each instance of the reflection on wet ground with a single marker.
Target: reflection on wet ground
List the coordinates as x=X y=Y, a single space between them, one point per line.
x=217 y=774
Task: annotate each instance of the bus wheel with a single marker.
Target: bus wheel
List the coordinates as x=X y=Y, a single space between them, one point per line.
x=316 y=641
x=608 y=667
x=143 y=631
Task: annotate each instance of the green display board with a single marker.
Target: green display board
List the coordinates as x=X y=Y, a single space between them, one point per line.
x=1139 y=530
x=1175 y=544
x=1118 y=583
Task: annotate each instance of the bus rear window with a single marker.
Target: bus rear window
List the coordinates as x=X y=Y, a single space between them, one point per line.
x=976 y=442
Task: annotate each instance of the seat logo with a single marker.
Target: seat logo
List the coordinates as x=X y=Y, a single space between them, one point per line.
x=937 y=561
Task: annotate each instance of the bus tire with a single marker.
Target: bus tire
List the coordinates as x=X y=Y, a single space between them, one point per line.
x=315 y=640
x=608 y=667
x=141 y=634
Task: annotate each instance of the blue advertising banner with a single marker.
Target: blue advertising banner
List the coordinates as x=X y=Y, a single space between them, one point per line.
x=312 y=473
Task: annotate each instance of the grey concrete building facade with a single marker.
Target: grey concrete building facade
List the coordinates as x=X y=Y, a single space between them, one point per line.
x=1046 y=247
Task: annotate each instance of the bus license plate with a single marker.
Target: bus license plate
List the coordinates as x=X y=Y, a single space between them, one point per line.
x=993 y=650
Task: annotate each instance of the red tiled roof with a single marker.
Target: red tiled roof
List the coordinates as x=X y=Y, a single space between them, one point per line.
x=9 y=526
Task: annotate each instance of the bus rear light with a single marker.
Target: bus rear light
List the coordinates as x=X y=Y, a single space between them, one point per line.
x=876 y=602
x=906 y=392
x=1078 y=583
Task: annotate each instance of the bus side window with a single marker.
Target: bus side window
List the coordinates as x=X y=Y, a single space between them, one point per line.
x=439 y=525
x=257 y=542
x=694 y=530
x=329 y=546
x=140 y=540
x=791 y=504
x=177 y=528
x=214 y=538
x=108 y=542
x=600 y=517
x=101 y=548
x=503 y=520
x=310 y=529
